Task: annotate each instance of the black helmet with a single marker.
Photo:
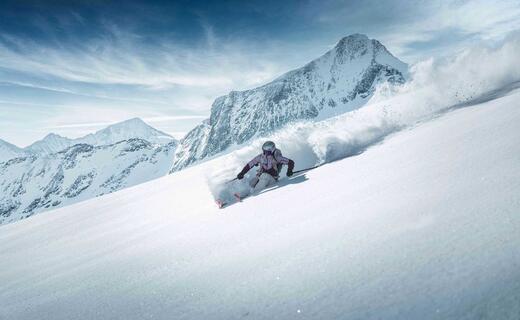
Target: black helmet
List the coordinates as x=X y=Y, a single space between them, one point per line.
x=268 y=146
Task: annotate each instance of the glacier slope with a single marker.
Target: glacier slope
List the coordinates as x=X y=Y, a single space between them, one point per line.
x=422 y=226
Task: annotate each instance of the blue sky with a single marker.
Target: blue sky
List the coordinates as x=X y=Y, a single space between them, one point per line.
x=73 y=67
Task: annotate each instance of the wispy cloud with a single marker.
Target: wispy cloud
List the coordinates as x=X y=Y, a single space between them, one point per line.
x=77 y=68
x=174 y=118
x=122 y=59
x=148 y=119
x=417 y=30
x=81 y=125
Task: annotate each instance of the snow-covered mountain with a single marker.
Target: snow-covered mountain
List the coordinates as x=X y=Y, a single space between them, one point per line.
x=49 y=144
x=9 y=151
x=125 y=130
x=57 y=171
x=341 y=80
x=422 y=225
x=132 y=128
x=35 y=183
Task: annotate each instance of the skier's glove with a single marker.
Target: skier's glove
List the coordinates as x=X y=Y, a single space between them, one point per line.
x=240 y=176
x=290 y=168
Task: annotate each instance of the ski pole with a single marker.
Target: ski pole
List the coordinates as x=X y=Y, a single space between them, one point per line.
x=231 y=180
x=306 y=169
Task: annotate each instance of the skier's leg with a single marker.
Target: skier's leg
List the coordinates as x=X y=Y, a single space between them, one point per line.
x=245 y=189
x=264 y=180
x=253 y=182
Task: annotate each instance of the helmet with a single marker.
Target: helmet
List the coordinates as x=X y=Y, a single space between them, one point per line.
x=268 y=146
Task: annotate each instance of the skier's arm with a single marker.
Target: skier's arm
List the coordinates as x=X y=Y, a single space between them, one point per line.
x=249 y=165
x=284 y=160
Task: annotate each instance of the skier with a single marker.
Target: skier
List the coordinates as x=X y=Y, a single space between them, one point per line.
x=270 y=162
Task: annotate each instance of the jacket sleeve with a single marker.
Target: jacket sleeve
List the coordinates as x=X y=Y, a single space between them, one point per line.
x=281 y=159
x=250 y=164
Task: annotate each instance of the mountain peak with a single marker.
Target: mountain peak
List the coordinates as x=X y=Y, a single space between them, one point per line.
x=127 y=129
x=354 y=37
x=50 y=143
x=352 y=40
x=54 y=136
x=132 y=121
x=355 y=45
x=131 y=125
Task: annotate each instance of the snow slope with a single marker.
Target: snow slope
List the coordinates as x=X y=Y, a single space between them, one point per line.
x=421 y=226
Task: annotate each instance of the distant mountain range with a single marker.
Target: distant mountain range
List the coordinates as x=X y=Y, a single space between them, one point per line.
x=56 y=171
x=35 y=183
x=52 y=143
x=132 y=128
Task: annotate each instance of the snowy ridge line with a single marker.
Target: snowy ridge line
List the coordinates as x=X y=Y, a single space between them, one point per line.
x=134 y=128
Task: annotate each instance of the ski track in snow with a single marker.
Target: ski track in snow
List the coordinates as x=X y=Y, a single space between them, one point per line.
x=422 y=226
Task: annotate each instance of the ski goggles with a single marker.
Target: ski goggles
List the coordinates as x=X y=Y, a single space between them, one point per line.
x=268 y=152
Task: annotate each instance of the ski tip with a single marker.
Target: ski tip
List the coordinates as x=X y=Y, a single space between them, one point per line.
x=220 y=203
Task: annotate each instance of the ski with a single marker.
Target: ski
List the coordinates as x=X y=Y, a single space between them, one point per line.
x=238 y=198
x=220 y=204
